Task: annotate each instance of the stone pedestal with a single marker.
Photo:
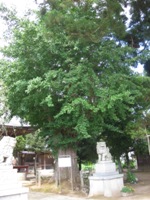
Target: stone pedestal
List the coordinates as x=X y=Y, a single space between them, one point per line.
x=106 y=180
x=10 y=187
x=105 y=168
x=108 y=186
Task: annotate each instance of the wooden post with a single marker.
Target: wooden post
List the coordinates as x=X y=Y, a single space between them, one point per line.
x=44 y=162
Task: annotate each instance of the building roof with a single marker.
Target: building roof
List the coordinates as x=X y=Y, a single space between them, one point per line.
x=15 y=127
x=15 y=130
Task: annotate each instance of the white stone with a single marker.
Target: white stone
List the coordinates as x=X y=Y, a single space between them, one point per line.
x=46 y=172
x=14 y=194
x=108 y=186
x=21 y=176
x=106 y=180
x=103 y=152
x=10 y=187
x=105 y=167
x=7 y=145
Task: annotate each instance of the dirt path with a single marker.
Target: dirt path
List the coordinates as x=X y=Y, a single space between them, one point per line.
x=142 y=191
x=142 y=188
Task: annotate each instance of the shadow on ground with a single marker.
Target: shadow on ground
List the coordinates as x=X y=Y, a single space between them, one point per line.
x=49 y=191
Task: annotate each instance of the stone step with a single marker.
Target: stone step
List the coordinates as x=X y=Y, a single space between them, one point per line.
x=6 y=167
x=8 y=186
x=8 y=170
x=11 y=192
x=5 y=177
x=12 y=181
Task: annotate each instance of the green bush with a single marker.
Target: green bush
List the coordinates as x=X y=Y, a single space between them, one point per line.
x=131 y=165
x=88 y=167
x=131 y=178
x=127 y=189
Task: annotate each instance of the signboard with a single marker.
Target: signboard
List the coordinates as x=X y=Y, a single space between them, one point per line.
x=64 y=161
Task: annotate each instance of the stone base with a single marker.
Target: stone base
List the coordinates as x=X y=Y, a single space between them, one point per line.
x=21 y=176
x=105 y=167
x=10 y=187
x=13 y=194
x=106 y=185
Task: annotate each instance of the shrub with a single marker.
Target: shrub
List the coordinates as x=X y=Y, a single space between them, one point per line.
x=127 y=189
x=131 y=165
x=131 y=178
x=88 y=167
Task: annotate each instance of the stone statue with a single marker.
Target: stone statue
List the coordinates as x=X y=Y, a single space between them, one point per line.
x=103 y=152
x=106 y=180
x=7 y=145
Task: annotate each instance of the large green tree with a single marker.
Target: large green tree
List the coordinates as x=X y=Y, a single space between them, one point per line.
x=68 y=73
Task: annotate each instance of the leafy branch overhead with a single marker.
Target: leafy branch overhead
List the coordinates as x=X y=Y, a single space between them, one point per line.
x=68 y=72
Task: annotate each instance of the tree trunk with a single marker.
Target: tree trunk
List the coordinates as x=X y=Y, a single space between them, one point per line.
x=68 y=173
x=80 y=164
x=35 y=164
x=128 y=161
x=119 y=166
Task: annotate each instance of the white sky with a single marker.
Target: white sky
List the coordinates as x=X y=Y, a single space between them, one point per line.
x=20 y=5
x=139 y=69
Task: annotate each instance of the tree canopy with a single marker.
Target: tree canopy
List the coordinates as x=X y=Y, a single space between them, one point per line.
x=68 y=72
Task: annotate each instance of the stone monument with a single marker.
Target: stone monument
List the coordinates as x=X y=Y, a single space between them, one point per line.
x=10 y=186
x=106 y=180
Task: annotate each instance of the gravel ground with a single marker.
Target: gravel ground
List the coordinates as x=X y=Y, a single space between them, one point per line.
x=142 y=192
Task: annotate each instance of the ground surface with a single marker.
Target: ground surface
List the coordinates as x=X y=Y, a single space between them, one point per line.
x=50 y=191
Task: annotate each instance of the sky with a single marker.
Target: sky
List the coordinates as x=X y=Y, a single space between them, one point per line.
x=20 y=5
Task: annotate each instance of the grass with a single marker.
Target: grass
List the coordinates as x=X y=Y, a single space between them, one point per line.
x=51 y=187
